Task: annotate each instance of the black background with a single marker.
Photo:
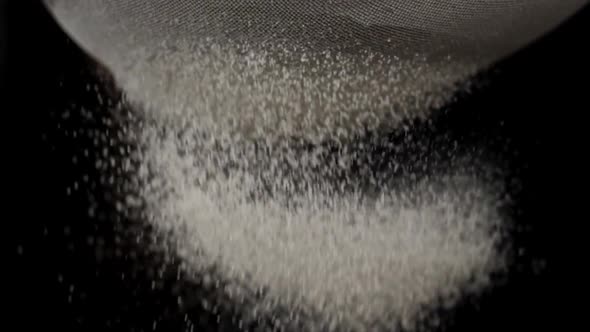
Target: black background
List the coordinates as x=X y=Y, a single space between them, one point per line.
x=531 y=114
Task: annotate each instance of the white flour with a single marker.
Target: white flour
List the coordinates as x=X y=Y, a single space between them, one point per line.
x=236 y=169
x=357 y=258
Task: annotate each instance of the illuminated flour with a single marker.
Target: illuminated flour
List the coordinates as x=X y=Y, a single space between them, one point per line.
x=276 y=90
x=239 y=99
x=357 y=258
x=235 y=167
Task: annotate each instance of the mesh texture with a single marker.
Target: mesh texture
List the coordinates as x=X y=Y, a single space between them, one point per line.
x=484 y=29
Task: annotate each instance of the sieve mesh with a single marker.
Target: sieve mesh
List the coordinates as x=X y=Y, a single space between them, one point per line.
x=487 y=29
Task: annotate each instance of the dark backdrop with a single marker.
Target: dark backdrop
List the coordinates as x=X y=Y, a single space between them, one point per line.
x=65 y=268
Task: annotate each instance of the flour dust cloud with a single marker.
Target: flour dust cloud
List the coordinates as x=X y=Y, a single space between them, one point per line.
x=251 y=163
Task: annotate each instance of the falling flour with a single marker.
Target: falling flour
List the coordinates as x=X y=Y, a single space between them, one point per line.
x=250 y=117
x=276 y=90
x=237 y=167
x=357 y=257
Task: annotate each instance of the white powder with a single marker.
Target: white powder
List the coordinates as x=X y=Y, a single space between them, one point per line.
x=229 y=96
x=357 y=257
x=236 y=168
x=274 y=90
